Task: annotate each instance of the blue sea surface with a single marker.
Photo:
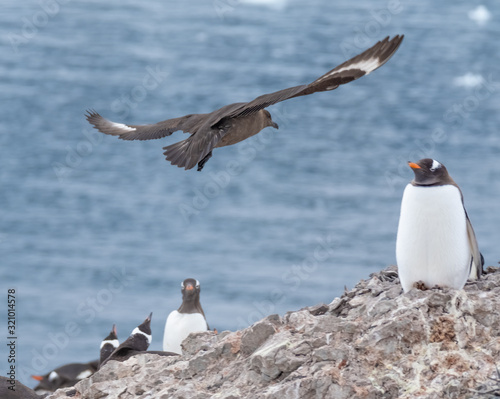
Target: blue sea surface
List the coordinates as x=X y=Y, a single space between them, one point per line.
x=95 y=230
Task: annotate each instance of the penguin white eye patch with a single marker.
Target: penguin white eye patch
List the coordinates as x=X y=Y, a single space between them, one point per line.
x=197 y=284
x=53 y=375
x=435 y=165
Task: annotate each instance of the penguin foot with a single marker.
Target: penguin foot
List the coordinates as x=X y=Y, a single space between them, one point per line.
x=419 y=285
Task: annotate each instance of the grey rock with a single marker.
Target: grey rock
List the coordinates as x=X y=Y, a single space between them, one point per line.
x=196 y=342
x=257 y=334
x=264 y=360
x=373 y=342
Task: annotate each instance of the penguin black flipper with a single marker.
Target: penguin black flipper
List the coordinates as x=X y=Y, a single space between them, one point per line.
x=120 y=354
x=123 y=354
x=477 y=257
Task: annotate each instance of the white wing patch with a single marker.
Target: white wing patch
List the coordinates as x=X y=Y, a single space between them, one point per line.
x=365 y=65
x=137 y=331
x=123 y=127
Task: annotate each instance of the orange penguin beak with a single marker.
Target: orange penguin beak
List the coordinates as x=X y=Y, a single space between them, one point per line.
x=37 y=377
x=189 y=287
x=413 y=165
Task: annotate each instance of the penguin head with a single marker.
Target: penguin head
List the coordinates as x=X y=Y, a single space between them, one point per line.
x=190 y=289
x=108 y=345
x=145 y=327
x=429 y=172
x=49 y=382
x=140 y=339
x=113 y=335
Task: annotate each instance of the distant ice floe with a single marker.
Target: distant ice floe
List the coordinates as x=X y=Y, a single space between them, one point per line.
x=480 y=15
x=274 y=4
x=469 y=80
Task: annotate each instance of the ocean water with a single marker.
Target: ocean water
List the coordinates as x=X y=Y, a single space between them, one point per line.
x=96 y=231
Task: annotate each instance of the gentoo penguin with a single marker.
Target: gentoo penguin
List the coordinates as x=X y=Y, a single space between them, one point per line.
x=64 y=376
x=138 y=341
x=436 y=244
x=108 y=345
x=189 y=318
x=238 y=121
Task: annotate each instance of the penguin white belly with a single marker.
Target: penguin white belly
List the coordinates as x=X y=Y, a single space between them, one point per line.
x=432 y=244
x=178 y=327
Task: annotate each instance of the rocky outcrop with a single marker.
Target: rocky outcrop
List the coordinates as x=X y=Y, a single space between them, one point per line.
x=372 y=342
